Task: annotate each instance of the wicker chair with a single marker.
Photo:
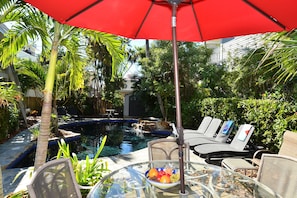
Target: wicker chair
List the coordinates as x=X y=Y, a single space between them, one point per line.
x=54 y=179
x=278 y=172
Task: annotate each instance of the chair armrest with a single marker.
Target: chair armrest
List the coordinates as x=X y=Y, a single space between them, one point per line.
x=259 y=153
x=257 y=156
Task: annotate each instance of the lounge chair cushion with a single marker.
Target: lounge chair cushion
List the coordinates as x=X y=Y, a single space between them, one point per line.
x=220 y=137
x=227 y=127
x=210 y=131
x=244 y=133
x=234 y=148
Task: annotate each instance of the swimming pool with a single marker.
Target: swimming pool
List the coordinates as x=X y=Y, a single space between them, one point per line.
x=121 y=137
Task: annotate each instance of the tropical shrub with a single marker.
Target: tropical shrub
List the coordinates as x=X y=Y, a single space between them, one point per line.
x=89 y=171
x=223 y=108
x=9 y=97
x=191 y=114
x=270 y=117
x=19 y=194
x=4 y=124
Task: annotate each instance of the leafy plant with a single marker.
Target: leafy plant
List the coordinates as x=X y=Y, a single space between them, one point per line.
x=9 y=97
x=19 y=194
x=270 y=117
x=35 y=132
x=89 y=171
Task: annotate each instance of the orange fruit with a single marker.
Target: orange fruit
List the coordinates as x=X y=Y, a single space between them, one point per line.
x=165 y=179
x=153 y=173
x=168 y=171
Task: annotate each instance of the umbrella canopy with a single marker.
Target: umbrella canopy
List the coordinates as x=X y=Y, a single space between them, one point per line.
x=176 y=20
x=197 y=20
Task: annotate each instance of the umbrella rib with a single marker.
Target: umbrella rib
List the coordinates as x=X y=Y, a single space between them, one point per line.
x=142 y=22
x=196 y=20
x=83 y=10
x=265 y=14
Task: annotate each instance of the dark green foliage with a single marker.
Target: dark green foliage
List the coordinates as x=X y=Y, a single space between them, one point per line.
x=223 y=108
x=8 y=121
x=271 y=118
x=9 y=97
x=4 y=124
x=191 y=114
x=197 y=77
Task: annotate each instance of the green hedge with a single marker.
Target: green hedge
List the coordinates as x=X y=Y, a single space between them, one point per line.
x=271 y=118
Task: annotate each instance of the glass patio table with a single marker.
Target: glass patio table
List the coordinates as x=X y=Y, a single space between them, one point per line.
x=202 y=180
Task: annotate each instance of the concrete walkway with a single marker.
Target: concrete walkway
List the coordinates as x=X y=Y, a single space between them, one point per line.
x=14 y=148
x=10 y=151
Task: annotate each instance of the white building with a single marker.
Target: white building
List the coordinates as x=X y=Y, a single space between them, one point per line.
x=130 y=103
x=233 y=47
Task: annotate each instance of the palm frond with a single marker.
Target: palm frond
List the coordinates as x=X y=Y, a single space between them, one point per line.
x=113 y=45
x=281 y=56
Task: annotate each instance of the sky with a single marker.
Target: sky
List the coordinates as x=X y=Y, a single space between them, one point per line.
x=138 y=42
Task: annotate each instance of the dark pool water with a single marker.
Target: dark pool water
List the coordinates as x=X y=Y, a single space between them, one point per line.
x=121 y=139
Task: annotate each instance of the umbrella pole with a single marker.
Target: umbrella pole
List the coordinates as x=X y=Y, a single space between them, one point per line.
x=177 y=99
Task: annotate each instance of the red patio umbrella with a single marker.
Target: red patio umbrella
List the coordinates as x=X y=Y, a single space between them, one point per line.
x=176 y=20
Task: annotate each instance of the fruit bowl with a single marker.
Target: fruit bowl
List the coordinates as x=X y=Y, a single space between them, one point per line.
x=163 y=178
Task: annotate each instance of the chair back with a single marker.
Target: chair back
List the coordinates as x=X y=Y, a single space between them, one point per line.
x=278 y=172
x=242 y=136
x=213 y=127
x=166 y=149
x=225 y=131
x=204 y=124
x=289 y=144
x=54 y=179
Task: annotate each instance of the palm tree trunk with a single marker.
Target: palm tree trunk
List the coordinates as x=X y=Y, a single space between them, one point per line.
x=161 y=105
x=42 y=142
x=147 y=48
x=55 y=121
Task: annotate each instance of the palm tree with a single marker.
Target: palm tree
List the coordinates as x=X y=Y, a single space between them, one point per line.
x=31 y=25
x=31 y=74
x=282 y=55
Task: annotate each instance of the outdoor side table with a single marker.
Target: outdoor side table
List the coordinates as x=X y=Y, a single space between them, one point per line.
x=237 y=164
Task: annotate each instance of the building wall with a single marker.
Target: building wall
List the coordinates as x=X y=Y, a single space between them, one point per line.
x=129 y=103
x=235 y=47
x=126 y=105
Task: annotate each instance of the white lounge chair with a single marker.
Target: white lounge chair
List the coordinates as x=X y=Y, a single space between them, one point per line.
x=222 y=150
x=221 y=136
x=202 y=127
x=210 y=132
